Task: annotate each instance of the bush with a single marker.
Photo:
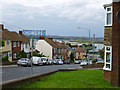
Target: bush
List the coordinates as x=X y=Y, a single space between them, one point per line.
x=38 y=55
x=22 y=54
x=5 y=58
x=94 y=60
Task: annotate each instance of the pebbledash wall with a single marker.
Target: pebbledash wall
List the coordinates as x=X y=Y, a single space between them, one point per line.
x=112 y=43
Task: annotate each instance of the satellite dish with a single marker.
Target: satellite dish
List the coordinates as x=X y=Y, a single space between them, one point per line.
x=118 y=16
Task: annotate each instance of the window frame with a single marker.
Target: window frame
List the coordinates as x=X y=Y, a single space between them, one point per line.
x=110 y=63
x=108 y=12
x=14 y=44
x=18 y=44
x=7 y=42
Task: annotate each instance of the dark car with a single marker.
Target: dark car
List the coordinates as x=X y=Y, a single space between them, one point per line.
x=67 y=62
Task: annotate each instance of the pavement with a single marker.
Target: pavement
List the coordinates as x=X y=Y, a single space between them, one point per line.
x=1 y=66
x=10 y=72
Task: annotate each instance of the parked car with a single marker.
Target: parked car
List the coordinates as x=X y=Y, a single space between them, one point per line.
x=77 y=61
x=54 y=61
x=59 y=61
x=45 y=60
x=24 y=62
x=84 y=63
x=67 y=62
x=50 y=61
x=36 y=60
x=100 y=61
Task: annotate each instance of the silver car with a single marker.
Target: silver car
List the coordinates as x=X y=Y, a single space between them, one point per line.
x=24 y=62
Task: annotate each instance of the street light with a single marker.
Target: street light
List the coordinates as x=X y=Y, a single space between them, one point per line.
x=89 y=35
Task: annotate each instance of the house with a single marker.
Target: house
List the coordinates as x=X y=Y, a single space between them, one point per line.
x=51 y=49
x=80 y=53
x=6 y=50
x=14 y=40
x=25 y=44
x=112 y=43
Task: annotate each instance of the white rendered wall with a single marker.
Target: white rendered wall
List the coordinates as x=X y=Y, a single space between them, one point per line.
x=26 y=50
x=43 y=47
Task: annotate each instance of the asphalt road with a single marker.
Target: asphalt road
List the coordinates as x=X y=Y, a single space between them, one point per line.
x=10 y=73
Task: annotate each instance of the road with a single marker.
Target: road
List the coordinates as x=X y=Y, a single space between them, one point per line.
x=16 y=72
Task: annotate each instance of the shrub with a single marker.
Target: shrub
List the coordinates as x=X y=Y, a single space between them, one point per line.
x=94 y=60
x=5 y=58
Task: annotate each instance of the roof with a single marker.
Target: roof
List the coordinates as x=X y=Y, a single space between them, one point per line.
x=51 y=42
x=107 y=5
x=25 y=39
x=11 y=35
x=80 y=49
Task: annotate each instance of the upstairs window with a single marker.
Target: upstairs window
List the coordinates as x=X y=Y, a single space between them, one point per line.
x=108 y=16
x=7 y=42
x=14 y=44
x=18 y=44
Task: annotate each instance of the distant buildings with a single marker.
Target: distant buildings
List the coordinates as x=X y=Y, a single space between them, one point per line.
x=80 y=53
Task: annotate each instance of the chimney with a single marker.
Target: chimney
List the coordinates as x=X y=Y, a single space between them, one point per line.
x=1 y=26
x=41 y=37
x=20 y=32
x=50 y=38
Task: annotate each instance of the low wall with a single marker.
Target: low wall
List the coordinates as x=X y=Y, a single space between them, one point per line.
x=14 y=83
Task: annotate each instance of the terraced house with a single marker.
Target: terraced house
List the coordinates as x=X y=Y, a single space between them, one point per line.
x=51 y=49
x=15 y=42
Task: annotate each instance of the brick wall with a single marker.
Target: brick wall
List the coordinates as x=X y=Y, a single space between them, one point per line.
x=107 y=75
x=115 y=75
x=108 y=36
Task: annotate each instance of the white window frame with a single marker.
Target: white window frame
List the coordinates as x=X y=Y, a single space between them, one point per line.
x=18 y=44
x=110 y=58
x=106 y=16
x=14 y=44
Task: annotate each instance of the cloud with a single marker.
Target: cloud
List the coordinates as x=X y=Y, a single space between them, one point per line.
x=72 y=9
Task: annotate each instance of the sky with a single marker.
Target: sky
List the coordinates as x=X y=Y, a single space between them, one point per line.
x=57 y=17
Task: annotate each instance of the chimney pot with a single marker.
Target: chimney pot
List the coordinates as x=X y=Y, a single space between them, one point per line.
x=20 y=32
x=1 y=26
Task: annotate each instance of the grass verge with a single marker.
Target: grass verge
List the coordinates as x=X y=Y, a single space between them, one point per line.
x=72 y=79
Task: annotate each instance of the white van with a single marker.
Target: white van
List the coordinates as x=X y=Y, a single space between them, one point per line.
x=36 y=60
x=44 y=60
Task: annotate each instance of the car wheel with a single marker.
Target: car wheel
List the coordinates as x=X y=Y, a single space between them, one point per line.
x=18 y=65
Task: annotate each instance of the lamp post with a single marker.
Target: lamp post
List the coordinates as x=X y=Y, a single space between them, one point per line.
x=89 y=35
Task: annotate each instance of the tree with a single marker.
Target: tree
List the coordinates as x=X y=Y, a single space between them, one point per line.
x=2 y=43
x=22 y=54
x=72 y=56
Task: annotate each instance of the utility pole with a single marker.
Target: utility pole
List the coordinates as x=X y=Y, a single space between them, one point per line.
x=31 y=55
x=93 y=44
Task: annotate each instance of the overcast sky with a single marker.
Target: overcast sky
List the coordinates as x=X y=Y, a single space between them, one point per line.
x=57 y=17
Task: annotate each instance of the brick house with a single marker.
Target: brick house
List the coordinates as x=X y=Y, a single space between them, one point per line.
x=25 y=43
x=80 y=53
x=111 y=42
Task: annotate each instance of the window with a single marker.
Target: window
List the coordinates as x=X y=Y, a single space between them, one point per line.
x=108 y=16
x=14 y=44
x=25 y=45
x=14 y=56
x=7 y=42
x=79 y=53
x=18 y=44
x=108 y=58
